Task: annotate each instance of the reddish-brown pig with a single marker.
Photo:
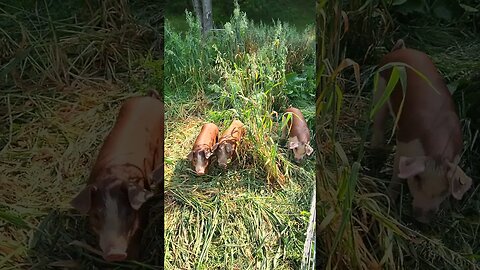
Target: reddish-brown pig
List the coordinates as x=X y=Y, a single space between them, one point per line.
x=299 y=135
x=428 y=135
x=227 y=144
x=203 y=148
x=121 y=179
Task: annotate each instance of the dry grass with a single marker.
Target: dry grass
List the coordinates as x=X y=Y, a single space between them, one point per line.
x=358 y=228
x=64 y=70
x=54 y=141
x=229 y=218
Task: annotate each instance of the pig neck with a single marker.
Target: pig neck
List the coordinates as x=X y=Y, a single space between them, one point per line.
x=228 y=138
x=205 y=138
x=201 y=147
x=225 y=140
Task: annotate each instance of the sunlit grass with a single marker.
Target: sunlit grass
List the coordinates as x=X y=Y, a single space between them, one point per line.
x=255 y=214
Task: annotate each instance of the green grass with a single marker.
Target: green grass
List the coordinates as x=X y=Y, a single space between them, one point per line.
x=298 y=14
x=65 y=71
x=357 y=227
x=251 y=216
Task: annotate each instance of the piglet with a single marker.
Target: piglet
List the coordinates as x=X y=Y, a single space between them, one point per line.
x=203 y=148
x=227 y=144
x=299 y=134
x=428 y=135
x=120 y=181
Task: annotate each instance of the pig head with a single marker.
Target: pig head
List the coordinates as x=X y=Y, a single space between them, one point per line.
x=203 y=148
x=430 y=180
x=299 y=135
x=112 y=206
x=428 y=134
x=226 y=147
x=120 y=181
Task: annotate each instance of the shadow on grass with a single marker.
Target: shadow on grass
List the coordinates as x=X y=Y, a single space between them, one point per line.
x=240 y=199
x=236 y=176
x=53 y=242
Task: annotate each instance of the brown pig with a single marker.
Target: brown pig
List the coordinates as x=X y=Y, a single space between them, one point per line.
x=428 y=135
x=299 y=135
x=227 y=144
x=203 y=148
x=121 y=179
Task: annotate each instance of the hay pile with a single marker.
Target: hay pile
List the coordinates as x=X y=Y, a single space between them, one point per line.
x=65 y=68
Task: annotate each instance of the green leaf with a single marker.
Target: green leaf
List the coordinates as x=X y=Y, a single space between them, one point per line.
x=398 y=2
x=328 y=218
x=13 y=219
x=394 y=77
x=412 y=6
x=469 y=8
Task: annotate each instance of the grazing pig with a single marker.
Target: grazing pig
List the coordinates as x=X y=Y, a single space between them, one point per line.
x=299 y=135
x=121 y=179
x=428 y=135
x=227 y=144
x=203 y=148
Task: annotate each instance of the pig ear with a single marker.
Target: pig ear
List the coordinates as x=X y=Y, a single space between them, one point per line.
x=309 y=149
x=138 y=195
x=459 y=181
x=214 y=147
x=190 y=156
x=83 y=201
x=208 y=154
x=410 y=166
x=292 y=142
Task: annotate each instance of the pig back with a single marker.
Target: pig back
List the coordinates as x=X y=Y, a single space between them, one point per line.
x=207 y=137
x=136 y=138
x=234 y=132
x=427 y=115
x=298 y=125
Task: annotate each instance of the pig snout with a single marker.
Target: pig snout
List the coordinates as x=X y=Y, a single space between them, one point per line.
x=200 y=168
x=114 y=255
x=423 y=216
x=299 y=153
x=222 y=159
x=223 y=165
x=114 y=248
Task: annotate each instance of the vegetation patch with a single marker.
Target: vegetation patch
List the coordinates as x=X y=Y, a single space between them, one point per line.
x=65 y=69
x=253 y=215
x=357 y=226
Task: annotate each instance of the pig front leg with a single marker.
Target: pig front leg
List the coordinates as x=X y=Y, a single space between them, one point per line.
x=395 y=182
x=284 y=133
